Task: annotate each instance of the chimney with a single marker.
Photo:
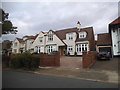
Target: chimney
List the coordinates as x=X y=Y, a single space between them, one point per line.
x=78 y=25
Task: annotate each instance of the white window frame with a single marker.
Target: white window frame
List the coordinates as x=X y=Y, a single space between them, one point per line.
x=15 y=50
x=82 y=47
x=41 y=39
x=15 y=44
x=50 y=48
x=70 y=48
x=50 y=36
x=82 y=34
x=70 y=36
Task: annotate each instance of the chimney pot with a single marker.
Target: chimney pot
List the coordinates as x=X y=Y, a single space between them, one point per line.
x=78 y=25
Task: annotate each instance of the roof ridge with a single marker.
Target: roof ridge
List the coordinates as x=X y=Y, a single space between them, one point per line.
x=74 y=28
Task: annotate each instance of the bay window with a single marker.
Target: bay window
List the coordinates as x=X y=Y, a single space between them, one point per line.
x=82 y=47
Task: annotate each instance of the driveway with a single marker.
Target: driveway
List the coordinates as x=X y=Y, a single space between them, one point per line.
x=107 y=65
x=72 y=63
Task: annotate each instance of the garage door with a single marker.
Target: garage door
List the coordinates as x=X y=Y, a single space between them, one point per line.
x=107 y=49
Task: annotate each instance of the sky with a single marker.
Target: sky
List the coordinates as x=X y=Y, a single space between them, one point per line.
x=33 y=17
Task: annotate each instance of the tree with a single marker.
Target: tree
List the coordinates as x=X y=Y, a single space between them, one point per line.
x=7 y=26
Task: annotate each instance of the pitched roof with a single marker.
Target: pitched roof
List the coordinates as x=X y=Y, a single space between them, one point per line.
x=116 y=21
x=31 y=37
x=104 y=39
x=62 y=33
x=20 y=40
x=89 y=31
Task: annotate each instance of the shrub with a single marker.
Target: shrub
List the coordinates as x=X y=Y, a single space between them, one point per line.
x=25 y=60
x=15 y=62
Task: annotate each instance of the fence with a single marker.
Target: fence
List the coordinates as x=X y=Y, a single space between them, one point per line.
x=49 y=59
x=88 y=58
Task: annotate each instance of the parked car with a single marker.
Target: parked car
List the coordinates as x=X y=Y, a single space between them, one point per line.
x=103 y=55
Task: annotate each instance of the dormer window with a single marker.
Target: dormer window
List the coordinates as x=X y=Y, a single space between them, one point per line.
x=50 y=36
x=82 y=35
x=69 y=36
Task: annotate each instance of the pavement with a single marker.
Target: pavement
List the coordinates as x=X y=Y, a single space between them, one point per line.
x=102 y=71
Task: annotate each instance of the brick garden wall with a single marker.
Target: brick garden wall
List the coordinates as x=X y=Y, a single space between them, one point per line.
x=88 y=58
x=49 y=59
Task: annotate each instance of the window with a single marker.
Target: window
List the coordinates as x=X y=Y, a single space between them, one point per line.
x=49 y=49
x=70 y=36
x=70 y=48
x=15 y=44
x=41 y=39
x=78 y=46
x=118 y=31
x=39 y=49
x=31 y=42
x=82 y=34
x=15 y=50
x=82 y=47
x=36 y=49
x=85 y=47
x=50 y=37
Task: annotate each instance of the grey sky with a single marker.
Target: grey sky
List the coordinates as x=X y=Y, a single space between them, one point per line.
x=33 y=17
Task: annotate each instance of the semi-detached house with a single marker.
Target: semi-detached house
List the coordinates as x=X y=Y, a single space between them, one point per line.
x=20 y=45
x=71 y=40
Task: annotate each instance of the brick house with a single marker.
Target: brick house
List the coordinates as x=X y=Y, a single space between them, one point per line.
x=114 y=30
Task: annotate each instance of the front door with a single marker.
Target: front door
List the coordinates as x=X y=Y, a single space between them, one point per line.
x=62 y=50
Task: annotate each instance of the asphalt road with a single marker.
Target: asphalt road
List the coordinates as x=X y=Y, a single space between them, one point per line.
x=12 y=79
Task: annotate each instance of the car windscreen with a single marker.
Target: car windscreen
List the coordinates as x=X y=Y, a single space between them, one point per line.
x=102 y=52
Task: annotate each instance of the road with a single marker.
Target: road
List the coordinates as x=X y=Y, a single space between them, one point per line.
x=12 y=79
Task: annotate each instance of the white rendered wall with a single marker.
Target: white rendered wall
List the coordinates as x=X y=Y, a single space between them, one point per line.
x=115 y=42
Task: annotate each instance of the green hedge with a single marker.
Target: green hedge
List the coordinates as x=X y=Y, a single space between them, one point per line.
x=24 y=60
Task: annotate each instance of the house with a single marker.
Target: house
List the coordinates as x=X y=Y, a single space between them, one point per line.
x=104 y=43
x=28 y=42
x=71 y=40
x=114 y=30
x=20 y=45
x=46 y=42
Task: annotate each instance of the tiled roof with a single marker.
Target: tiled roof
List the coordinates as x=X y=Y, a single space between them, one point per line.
x=104 y=39
x=89 y=31
x=116 y=21
x=62 y=33
x=31 y=37
x=20 y=40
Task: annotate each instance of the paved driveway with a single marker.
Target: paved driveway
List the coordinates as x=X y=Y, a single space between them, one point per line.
x=109 y=65
x=68 y=62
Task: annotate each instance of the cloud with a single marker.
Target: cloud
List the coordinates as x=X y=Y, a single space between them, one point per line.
x=33 y=17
